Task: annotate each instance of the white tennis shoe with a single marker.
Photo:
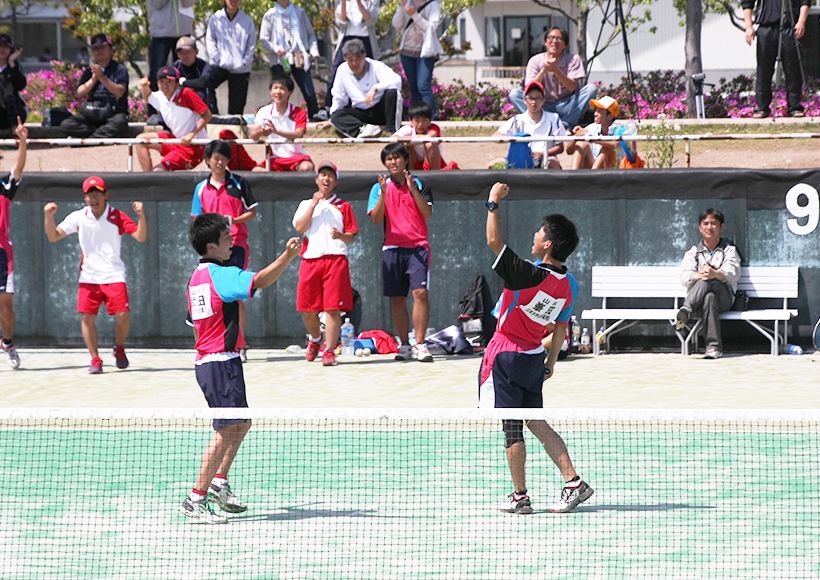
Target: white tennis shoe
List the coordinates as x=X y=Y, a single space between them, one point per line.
x=201 y=512
x=571 y=498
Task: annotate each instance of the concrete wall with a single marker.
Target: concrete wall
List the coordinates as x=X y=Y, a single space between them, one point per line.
x=626 y=229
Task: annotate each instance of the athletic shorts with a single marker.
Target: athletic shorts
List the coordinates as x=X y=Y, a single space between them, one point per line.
x=180 y=157
x=425 y=166
x=405 y=269
x=510 y=378
x=286 y=163
x=90 y=296
x=324 y=284
x=6 y=273
x=239 y=256
x=223 y=384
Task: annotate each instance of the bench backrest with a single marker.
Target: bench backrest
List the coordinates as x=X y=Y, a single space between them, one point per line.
x=664 y=282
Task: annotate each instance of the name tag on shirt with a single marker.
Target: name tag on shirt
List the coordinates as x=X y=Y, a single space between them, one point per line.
x=201 y=302
x=543 y=308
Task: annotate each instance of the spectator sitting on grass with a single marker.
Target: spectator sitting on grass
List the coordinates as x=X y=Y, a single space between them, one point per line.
x=537 y=123
x=424 y=156
x=598 y=154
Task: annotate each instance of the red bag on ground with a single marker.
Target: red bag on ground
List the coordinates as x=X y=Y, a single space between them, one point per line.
x=240 y=160
x=385 y=344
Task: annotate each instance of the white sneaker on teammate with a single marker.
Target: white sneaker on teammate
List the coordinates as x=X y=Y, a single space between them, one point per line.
x=405 y=352
x=225 y=498
x=201 y=512
x=12 y=358
x=370 y=131
x=243 y=354
x=421 y=353
x=517 y=504
x=572 y=497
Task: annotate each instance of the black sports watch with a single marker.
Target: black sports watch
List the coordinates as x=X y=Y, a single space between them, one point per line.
x=491 y=205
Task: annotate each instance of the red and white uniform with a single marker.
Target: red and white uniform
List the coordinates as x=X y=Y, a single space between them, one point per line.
x=418 y=148
x=100 y=242
x=182 y=112
x=328 y=214
x=324 y=274
x=294 y=118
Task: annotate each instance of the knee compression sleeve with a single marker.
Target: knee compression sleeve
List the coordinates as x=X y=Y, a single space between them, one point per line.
x=513 y=431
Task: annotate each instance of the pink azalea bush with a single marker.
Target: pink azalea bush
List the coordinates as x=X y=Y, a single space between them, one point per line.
x=57 y=87
x=660 y=93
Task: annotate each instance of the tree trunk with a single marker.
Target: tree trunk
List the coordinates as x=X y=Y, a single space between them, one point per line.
x=582 y=35
x=694 y=63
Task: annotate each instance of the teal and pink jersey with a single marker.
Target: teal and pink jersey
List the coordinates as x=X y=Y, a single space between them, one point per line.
x=214 y=292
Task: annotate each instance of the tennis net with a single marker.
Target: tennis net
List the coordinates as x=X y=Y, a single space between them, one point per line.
x=375 y=493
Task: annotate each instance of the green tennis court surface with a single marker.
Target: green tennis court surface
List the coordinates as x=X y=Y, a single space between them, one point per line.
x=406 y=500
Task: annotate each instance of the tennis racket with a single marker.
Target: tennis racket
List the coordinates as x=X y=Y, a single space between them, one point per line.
x=815 y=337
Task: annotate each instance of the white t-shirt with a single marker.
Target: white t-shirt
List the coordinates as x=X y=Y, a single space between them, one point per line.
x=418 y=148
x=293 y=119
x=550 y=124
x=594 y=130
x=100 y=242
x=346 y=86
x=328 y=214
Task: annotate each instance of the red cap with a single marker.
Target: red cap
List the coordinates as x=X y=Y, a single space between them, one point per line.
x=94 y=182
x=534 y=85
x=327 y=165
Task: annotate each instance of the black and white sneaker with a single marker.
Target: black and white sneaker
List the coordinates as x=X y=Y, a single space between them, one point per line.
x=682 y=318
x=201 y=512
x=226 y=499
x=517 y=504
x=571 y=498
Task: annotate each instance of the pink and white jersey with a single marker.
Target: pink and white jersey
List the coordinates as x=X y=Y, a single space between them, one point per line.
x=182 y=112
x=533 y=297
x=328 y=214
x=100 y=242
x=418 y=148
x=213 y=294
x=294 y=118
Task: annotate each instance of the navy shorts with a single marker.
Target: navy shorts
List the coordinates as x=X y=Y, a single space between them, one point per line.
x=239 y=258
x=516 y=381
x=405 y=269
x=223 y=384
x=6 y=279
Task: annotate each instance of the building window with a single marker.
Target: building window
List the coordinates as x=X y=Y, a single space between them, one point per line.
x=462 y=33
x=492 y=36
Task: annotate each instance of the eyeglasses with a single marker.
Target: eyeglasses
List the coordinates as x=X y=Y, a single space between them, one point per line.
x=556 y=38
x=533 y=99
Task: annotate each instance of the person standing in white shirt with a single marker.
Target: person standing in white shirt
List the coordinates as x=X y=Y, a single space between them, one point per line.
x=231 y=42
x=102 y=272
x=417 y=21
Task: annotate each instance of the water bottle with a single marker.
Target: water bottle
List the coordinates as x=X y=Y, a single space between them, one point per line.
x=286 y=64
x=585 y=342
x=575 y=344
x=793 y=349
x=348 y=333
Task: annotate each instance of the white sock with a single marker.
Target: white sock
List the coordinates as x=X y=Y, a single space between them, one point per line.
x=219 y=480
x=197 y=496
x=316 y=340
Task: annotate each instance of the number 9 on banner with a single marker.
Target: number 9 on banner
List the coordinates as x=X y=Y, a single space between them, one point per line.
x=810 y=210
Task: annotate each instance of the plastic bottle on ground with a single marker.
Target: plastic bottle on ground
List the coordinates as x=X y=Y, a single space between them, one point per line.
x=348 y=333
x=585 y=342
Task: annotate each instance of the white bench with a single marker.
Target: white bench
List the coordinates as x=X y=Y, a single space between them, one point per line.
x=637 y=282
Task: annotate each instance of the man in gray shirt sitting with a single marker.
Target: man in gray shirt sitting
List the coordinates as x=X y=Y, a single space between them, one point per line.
x=710 y=272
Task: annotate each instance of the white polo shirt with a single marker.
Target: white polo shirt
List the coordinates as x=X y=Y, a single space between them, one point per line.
x=550 y=124
x=328 y=214
x=348 y=87
x=294 y=118
x=100 y=242
x=182 y=112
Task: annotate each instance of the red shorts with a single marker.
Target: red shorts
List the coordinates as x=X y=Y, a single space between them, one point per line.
x=180 y=157
x=324 y=285
x=425 y=166
x=286 y=163
x=91 y=296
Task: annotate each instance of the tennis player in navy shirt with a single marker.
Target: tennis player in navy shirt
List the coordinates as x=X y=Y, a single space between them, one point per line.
x=513 y=369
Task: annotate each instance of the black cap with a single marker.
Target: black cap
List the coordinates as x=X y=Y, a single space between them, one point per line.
x=100 y=39
x=6 y=40
x=168 y=72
